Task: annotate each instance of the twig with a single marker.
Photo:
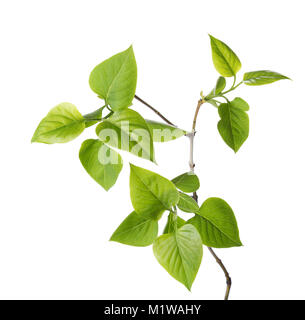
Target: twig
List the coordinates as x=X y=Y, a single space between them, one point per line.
x=192 y=135
x=229 y=281
x=154 y=110
x=195 y=196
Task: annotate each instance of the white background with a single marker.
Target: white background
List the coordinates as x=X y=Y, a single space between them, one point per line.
x=55 y=221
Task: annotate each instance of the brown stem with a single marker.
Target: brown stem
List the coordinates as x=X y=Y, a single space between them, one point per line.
x=229 y=281
x=154 y=110
x=195 y=196
x=199 y=104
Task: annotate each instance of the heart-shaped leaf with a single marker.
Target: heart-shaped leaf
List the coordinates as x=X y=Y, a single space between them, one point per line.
x=216 y=224
x=150 y=192
x=234 y=124
x=115 y=79
x=62 y=124
x=102 y=163
x=127 y=130
x=180 y=253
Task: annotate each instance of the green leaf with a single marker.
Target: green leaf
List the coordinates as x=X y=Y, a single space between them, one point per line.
x=187 y=203
x=102 y=163
x=187 y=182
x=216 y=224
x=180 y=253
x=180 y=223
x=150 y=192
x=234 y=124
x=220 y=85
x=163 y=132
x=257 y=78
x=240 y=104
x=62 y=124
x=115 y=79
x=225 y=60
x=136 y=230
x=91 y=117
x=127 y=130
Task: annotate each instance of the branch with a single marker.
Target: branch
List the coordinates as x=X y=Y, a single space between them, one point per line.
x=155 y=111
x=192 y=136
x=192 y=166
x=229 y=281
x=195 y=196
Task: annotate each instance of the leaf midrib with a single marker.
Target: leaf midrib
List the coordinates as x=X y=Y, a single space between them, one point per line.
x=182 y=262
x=188 y=200
x=215 y=226
x=223 y=57
x=150 y=190
x=73 y=122
x=115 y=77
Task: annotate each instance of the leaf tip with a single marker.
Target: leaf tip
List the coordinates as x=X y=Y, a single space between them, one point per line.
x=188 y=286
x=236 y=148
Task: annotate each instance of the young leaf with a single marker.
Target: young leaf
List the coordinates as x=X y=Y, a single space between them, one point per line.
x=62 y=124
x=187 y=182
x=102 y=163
x=187 y=203
x=225 y=60
x=220 y=85
x=127 y=130
x=91 y=117
x=180 y=223
x=233 y=125
x=216 y=224
x=150 y=192
x=163 y=132
x=180 y=253
x=136 y=230
x=115 y=79
x=257 y=78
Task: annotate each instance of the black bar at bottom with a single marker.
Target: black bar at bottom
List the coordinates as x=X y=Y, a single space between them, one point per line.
x=146 y=309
